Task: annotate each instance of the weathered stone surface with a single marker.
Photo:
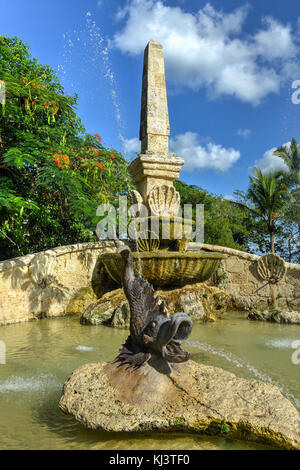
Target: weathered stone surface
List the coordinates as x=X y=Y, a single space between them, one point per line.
x=277 y=315
x=97 y=314
x=134 y=197
x=155 y=166
x=121 y=316
x=42 y=268
x=240 y=278
x=286 y=291
x=234 y=265
x=102 y=311
x=82 y=298
x=48 y=284
x=148 y=171
x=293 y=276
x=154 y=127
x=164 y=200
x=199 y=301
x=193 y=398
x=191 y=305
x=250 y=286
x=75 y=274
x=271 y=266
x=166 y=268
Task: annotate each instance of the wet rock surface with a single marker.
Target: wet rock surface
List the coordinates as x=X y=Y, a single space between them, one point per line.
x=276 y=315
x=192 y=398
x=200 y=301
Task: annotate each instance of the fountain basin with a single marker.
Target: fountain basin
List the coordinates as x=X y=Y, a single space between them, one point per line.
x=162 y=232
x=166 y=268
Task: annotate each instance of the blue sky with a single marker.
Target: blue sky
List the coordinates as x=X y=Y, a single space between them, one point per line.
x=230 y=66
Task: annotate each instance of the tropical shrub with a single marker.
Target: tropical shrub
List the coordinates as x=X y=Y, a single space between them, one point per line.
x=53 y=174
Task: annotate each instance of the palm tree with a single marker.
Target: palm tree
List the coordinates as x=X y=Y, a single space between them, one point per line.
x=291 y=157
x=268 y=194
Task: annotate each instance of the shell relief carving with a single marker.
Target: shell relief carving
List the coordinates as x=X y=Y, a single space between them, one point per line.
x=271 y=267
x=164 y=200
x=136 y=199
x=42 y=268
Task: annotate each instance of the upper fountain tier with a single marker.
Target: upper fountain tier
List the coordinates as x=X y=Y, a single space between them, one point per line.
x=155 y=166
x=153 y=172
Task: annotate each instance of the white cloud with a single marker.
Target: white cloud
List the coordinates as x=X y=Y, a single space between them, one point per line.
x=275 y=41
x=209 y=48
x=131 y=145
x=270 y=162
x=244 y=132
x=199 y=157
x=99 y=3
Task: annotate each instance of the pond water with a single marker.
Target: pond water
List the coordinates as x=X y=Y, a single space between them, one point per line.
x=41 y=354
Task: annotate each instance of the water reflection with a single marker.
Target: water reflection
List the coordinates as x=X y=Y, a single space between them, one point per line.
x=41 y=355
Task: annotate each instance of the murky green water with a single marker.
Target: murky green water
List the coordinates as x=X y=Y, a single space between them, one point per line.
x=41 y=354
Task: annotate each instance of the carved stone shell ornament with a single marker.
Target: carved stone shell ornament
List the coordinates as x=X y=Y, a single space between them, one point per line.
x=134 y=197
x=271 y=268
x=164 y=200
x=42 y=268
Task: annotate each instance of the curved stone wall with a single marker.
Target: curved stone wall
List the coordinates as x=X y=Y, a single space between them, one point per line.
x=59 y=281
x=51 y=283
x=238 y=276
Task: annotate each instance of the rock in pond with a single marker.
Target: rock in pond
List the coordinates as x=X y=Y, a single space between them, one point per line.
x=200 y=301
x=276 y=315
x=192 y=398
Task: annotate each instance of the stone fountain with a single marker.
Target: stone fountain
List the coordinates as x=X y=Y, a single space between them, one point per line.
x=152 y=385
x=164 y=259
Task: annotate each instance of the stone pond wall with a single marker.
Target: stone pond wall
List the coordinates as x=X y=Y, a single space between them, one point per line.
x=51 y=283
x=238 y=276
x=59 y=281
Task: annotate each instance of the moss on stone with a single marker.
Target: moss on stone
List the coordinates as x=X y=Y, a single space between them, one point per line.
x=200 y=301
x=179 y=421
x=167 y=268
x=96 y=312
x=81 y=300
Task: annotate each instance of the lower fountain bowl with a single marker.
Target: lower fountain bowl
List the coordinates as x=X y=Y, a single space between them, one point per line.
x=166 y=268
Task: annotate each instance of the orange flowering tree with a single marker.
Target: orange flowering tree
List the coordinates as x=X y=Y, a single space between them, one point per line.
x=53 y=174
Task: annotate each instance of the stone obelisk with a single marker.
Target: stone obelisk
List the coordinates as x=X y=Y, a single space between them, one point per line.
x=154 y=126
x=155 y=166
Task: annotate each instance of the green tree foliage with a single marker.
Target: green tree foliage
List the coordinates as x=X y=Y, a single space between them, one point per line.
x=224 y=224
x=53 y=174
x=291 y=157
x=290 y=239
x=267 y=198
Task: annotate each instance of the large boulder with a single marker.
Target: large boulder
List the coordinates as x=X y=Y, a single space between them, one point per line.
x=192 y=398
x=105 y=309
x=200 y=301
x=276 y=315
